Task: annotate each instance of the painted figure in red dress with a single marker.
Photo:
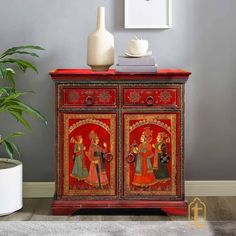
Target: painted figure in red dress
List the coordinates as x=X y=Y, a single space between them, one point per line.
x=97 y=174
x=144 y=175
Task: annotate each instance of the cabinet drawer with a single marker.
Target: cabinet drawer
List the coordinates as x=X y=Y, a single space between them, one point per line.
x=158 y=97
x=88 y=97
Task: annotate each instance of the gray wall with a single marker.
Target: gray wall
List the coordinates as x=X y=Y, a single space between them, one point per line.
x=202 y=40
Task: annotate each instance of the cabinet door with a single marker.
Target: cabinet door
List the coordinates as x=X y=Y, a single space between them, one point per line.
x=88 y=162
x=152 y=163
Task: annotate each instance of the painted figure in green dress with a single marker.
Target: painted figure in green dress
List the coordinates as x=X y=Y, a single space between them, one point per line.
x=161 y=158
x=80 y=170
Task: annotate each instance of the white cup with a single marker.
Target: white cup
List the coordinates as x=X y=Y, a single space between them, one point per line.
x=138 y=46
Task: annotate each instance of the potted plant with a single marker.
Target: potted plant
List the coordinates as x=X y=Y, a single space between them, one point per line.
x=11 y=103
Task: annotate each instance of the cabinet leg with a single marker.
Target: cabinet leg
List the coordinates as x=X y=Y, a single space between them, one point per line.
x=180 y=211
x=61 y=208
x=64 y=211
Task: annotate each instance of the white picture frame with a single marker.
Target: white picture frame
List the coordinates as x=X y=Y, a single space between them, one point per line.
x=148 y=14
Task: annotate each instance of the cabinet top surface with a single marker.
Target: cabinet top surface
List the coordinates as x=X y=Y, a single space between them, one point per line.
x=87 y=74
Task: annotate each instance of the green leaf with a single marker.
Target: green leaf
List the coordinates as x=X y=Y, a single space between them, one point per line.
x=9 y=108
x=9 y=149
x=22 y=53
x=10 y=76
x=10 y=146
x=16 y=148
x=13 y=96
x=21 y=119
x=10 y=70
x=16 y=108
x=30 y=110
x=22 y=64
x=4 y=91
x=13 y=135
x=7 y=91
x=3 y=72
x=14 y=49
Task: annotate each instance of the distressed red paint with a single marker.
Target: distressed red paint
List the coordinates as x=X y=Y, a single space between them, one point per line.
x=122 y=100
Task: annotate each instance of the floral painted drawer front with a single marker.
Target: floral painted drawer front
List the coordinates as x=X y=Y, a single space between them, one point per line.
x=88 y=97
x=89 y=154
x=150 y=154
x=163 y=97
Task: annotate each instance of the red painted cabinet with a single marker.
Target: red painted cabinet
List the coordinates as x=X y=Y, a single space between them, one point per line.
x=119 y=140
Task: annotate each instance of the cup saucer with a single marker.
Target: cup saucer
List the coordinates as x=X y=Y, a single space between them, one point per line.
x=149 y=53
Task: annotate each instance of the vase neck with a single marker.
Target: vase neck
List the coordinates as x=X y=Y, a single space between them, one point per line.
x=101 y=18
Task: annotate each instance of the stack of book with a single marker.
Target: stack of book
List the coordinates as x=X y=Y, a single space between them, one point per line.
x=145 y=64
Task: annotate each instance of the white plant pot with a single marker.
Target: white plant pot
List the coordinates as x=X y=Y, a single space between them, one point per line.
x=11 y=198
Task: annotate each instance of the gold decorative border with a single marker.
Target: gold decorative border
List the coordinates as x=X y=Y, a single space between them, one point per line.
x=112 y=131
x=89 y=121
x=147 y=121
x=149 y=117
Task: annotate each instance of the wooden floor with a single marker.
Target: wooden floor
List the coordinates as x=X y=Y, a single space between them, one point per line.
x=218 y=209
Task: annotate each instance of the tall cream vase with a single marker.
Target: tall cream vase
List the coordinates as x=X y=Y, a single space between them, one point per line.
x=100 y=53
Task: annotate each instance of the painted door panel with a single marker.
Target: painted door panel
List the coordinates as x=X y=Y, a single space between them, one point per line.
x=89 y=154
x=151 y=154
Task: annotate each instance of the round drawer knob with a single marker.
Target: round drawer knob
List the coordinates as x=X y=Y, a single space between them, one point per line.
x=131 y=157
x=89 y=100
x=150 y=100
x=108 y=157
